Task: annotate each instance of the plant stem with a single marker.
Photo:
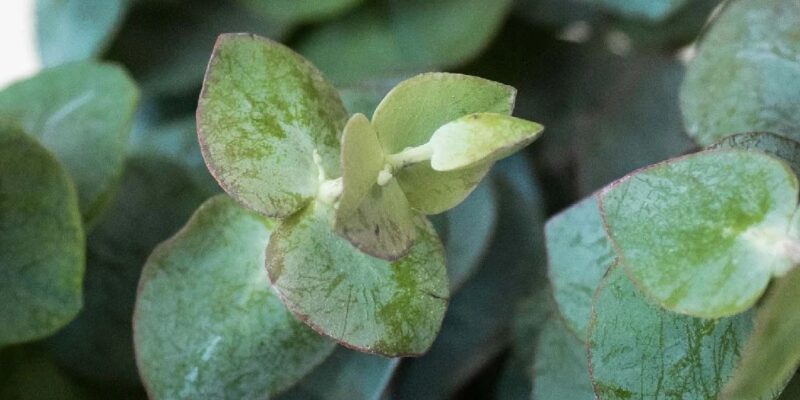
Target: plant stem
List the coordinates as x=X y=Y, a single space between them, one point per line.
x=410 y=155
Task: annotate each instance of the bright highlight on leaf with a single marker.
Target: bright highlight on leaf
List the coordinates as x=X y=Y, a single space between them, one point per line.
x=365 y=303
x=262 y=113
x=41 y=241
x=703 y=234
x=207 y=324
x=478 y=139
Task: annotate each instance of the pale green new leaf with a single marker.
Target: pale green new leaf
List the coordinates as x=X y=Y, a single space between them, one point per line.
x=262 y=113
x=772 y=353
x=207 y=324
x=703 y=234
x=746 y=75
x=641 y=351
x=375 y=218
x=41 y=241
x=410 y=114
x=82 y=113
x=366 y=303
x=579 y=254
x=480 y=138
x=72 y=30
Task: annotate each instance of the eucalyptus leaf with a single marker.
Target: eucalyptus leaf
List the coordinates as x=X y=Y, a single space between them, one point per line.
x=560 y=369
x=481 y=314
x=41 y=241
x=81 y=112
x=746 y=75
x=72 y=30
x=345 y=375
x=784 y=148
x=703 y=234
x=295 y=11
x=480 y=138
x=373 y=217
x=652 y=10
x=384 y=38
x=262 y=113
x=772 y=353
x=579 y=255
x=207 y=325
x=155 y=198
x=365 y=303
x=638 y=350
x=410 y=114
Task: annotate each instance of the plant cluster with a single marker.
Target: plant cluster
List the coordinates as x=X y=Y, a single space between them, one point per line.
x=332 y=220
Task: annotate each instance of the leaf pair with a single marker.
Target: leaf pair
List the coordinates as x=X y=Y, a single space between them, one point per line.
x=63 y=138
x=701 y=235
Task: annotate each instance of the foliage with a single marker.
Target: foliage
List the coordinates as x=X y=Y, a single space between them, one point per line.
x=335 y=210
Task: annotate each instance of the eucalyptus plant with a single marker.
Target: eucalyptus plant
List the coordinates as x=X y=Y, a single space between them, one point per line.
x=335 y=207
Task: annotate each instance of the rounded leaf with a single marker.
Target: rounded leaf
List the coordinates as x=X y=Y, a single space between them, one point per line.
x=641 y=351
x=41 y=241
x=561 y=370
x=784 y=148
x=703 y=234
x=375 y=218
x=410 y=114
x=81 y=112
x=480 y=138
x=207 y=325
x=365 y=303
x=579 y=255
x=262 y=113
x=746 y=74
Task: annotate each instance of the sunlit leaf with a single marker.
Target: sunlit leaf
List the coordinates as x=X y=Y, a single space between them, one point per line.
x=82 y=113
x=703 y=234
x=746 y=75
x=479 y=138
x=263 y=112
x=579 y=254
x=41 y=241
x=72 y=30
x=375 y=218
x=638 y=350
x=410 y=114
x=366 y=303
x=207 y=325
